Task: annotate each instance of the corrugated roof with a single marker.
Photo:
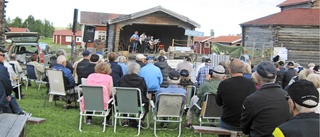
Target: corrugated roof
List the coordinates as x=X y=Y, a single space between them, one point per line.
x=227 y=39
x=96 y=18
x=67 y=33
x=296 y=17
x=153 y=10
x=292 y=2
x=12 y=29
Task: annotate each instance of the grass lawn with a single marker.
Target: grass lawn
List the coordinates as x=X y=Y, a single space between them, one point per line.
x=65 y=123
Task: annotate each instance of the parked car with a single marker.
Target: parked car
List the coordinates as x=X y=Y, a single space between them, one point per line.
x=24 y=44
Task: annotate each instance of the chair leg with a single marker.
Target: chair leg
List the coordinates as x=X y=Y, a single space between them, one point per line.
x=27 y=84
x=104 y=124
x=80 y=122
x=155 y=128
x=148 y=124
x=38 y=86
x=45 y=100
x=19 y=92
x=180 y=128
x=139 y=127
x=115 y=125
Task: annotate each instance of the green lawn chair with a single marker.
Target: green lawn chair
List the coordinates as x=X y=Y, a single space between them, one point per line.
x=93 y=102
x=169 y=106
x=128 y=101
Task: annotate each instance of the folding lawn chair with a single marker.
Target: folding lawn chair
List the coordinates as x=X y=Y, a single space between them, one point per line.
x=128 y=101
x=33 y=77
x=168 y=106
x=93 y=102
x=191 y=91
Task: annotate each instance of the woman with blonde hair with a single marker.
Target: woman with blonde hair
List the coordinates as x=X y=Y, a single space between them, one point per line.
x=122 y=61
x=101 y=77
x=247 y=70
x=315 y=79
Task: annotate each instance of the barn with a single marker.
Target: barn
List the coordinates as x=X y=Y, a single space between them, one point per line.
x=295 y=28
x=64 y=37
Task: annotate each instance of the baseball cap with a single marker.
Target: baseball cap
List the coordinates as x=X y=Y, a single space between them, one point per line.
x=303 y=90
x=85 y=53
x=161 y=59
x=149 y=58
x=174 y=76
x=207 y=60
x=3 y=50
x=290 y=63
x=140 y=56
x=267 y=70
x=184 y=73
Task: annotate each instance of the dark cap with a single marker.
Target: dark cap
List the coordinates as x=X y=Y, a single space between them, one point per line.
x=207 y=60
x=267 y=70
x=161 y=59
x=187 y=58
x=85 y=53
x=290 y=63
x=174 y=75
x=184 y=73
x=303 y=90
x=3 y=50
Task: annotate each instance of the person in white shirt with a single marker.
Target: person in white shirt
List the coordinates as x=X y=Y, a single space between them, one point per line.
x=201 y=65
x=142 y=39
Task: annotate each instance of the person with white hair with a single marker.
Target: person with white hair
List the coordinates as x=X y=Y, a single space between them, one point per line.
x=213 y=79
x=61 y=65
x=303 y=98
x=141 y=60
x=53 y=60
x=122 y=62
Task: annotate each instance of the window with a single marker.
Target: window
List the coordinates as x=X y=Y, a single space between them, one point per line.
x=101 y=35
x=68 y=38
x=78 y=39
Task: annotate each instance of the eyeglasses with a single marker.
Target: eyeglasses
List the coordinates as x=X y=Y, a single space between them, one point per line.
x=287 y=97
x=3 y=55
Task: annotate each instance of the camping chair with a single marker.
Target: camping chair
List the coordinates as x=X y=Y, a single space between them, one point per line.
x=168 y=106
x=57 y=86
x=16 y=81
x=191 y=91
x=209 y=110
x=33 y=77
x=128 y=101
x=93 y=102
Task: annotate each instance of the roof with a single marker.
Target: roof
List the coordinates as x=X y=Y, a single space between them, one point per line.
x=153 y=10
x=67 y=33
x=203 y=39
x=12 y=29
x=96 y=18
x=296 y=17
x=227 y=39
x=292 y=2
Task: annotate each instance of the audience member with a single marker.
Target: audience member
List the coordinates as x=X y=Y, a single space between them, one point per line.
x=185 y=78
x=38 y=68
x=255 y=79
x=186 y=64
x=101 y=77
x=279 y=77
x=231 y=94
x=315 y=79
x=90 y=68
x=303 y=74
x=266 y=108
x=5 y=85
x=203 y=60
x=213 y=79
x=14 y=78
x=61 y=65
x=152 y=75
x=18 y=69
x=116 y=72
x=165 y=69
x=141 y=60
x=311 y=66
x=204 y=71
x=316 y=69
x=302 y=99
x=134 y=81
x=122 y=60
x=247 y=70
x=79 y=66
x=291 y=72
x=54 y=61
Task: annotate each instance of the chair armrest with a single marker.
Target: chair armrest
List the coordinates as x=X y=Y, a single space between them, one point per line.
x=110 y=100
x=142 y=104
x=195 y=104
x=152 y=104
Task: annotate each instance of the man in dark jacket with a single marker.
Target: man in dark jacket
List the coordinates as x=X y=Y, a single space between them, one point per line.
x=165 y=69
x=266 y=108
x=90 y=68
x=5 y=85
x=303 y=99
x=53 y=60
x=81 y=65
x=287 y=76
x=116 y=72
x=134 y=81
x=141 y=60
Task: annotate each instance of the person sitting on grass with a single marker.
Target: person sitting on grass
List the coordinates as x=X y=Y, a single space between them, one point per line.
x=101 y=77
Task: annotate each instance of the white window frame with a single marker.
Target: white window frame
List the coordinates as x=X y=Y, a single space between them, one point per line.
x=68 y=38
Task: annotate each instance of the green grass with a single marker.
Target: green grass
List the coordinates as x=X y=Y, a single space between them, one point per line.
x=65 y=123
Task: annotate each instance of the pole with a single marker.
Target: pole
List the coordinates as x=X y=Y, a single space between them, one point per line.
x=254 y=43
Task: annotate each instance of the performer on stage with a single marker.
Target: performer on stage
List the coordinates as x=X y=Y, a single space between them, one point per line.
x=135 y=40
x=143 y=37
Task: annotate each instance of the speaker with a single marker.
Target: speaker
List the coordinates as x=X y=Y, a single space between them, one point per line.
x=88 y=35
x=75 y=21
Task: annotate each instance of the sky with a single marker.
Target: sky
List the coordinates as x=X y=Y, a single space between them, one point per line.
x=223 y=16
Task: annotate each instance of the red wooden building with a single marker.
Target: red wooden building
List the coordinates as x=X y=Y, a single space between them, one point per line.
x=64 y=37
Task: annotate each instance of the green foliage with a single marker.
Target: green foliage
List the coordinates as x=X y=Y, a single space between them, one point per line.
x=44 y=28
x=69 y=27
x=65 y=123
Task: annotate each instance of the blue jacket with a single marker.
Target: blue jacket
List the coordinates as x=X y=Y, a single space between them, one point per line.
x=124 y=68
x=116 y=73
x=172 y=89
x=152 y=75
x=66 y=73
x=5 y=87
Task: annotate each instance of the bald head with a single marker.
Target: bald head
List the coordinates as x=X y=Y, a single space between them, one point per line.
x=236 y=66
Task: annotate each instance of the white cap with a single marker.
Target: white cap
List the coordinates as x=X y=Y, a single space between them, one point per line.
x=140 y=56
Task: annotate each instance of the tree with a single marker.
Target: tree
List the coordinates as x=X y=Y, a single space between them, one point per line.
x=69 y=27
x=16 y=22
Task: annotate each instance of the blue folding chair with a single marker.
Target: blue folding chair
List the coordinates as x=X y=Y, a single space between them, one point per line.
x=33 y=77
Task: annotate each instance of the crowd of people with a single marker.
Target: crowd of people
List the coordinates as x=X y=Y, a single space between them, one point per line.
x=272 y=98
